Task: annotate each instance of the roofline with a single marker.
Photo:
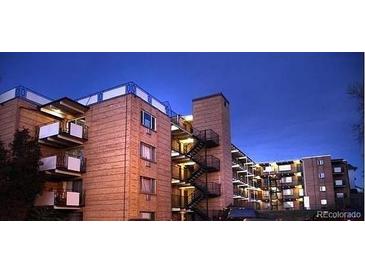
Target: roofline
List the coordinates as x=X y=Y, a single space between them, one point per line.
x=66 y=98
x=210 y=96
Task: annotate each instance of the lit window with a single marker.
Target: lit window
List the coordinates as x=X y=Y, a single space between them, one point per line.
x=147 y=215
x=323 y=202
x=148 y=185
x=148 y=152
x=337 y=169
x=340 y=195
x=148 y=120
x=338 y=182
x=320 y=162
x=321 y=175
x=322 y=188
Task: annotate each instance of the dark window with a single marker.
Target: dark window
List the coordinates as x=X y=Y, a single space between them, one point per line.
x=148 y=152
x=148 y=185
x=148 y=120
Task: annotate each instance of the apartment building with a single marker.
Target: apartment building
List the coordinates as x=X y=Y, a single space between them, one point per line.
x=316 y=182
x=122 y=154
x=245 y=179
x=201 y=166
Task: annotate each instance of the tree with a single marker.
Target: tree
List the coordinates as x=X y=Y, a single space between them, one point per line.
x=20 y=178
x=357 y=91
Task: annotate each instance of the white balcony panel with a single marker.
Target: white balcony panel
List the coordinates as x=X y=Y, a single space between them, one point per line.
x=288 y=192
x=73 y=163
x=88 y=100
x=288 y=204
x=141 y=94
x=48 y=163
x=36 y=98
x=6 y=96
x=285 y=168
x=45 y=199
x=114 y=93
x=337 y=169
x=158 y=105
x=76 y=130
x=49 y=130
x=73 y=199
x=288 y=179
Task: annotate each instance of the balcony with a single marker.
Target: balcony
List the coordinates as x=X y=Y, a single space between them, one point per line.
x=211 y=189
x=209 y=163
x=60 y=199
x=208 y=136
x=62 y=166
x=60 y=134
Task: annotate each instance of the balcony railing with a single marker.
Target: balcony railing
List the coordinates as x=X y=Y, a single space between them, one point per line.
x=209 y=136
x=63 y=162
x=62 y=134
x=60 y=198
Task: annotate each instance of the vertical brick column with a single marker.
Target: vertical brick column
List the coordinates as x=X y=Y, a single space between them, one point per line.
x=212 y=112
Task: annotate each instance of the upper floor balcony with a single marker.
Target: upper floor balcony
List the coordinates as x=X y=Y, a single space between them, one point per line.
x=63 y=166
x=62 y=134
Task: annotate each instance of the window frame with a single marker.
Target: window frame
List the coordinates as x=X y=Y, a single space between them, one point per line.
x=320 y=162
x=154 y=186
x=153 y=152
x=320 y=175
x=322 y=189
x=153 y=120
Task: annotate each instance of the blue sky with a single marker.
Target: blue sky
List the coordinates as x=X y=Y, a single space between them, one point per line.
x=283 y=105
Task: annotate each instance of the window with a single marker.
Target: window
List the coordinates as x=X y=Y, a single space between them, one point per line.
x=340 y=195
x=323 y=202
x=322 y=188
x=268 y=169
x=338 y=182
x=337 y=169
x=148 y=120
x=148 y=185
x=148 y=152
x=320 y=162
x=321 y=175
x=147 y=215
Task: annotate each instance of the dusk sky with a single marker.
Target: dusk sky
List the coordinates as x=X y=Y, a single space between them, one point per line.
x=283 y=105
